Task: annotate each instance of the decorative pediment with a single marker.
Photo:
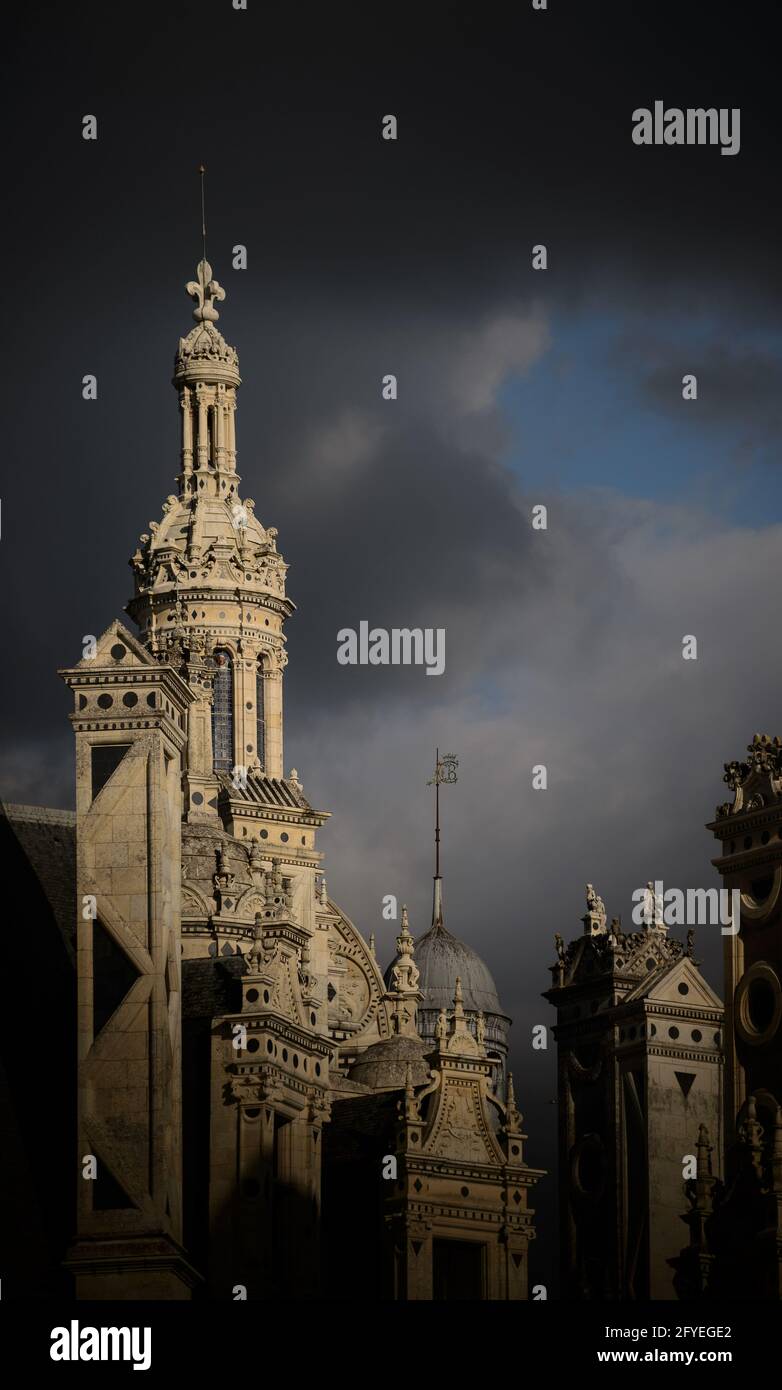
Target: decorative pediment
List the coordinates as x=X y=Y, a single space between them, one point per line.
x=116 y=647
x=696 y=994
x=756 y=781
x=356 y=986
x=459 y=1128
x=195 y=903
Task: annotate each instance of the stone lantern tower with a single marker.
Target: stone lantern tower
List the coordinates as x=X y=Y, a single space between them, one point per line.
x=209 y=581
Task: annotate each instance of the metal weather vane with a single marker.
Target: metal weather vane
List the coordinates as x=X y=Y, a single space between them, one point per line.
x=444 y=772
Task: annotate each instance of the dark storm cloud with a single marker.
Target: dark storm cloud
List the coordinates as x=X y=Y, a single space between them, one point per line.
x=736 y=387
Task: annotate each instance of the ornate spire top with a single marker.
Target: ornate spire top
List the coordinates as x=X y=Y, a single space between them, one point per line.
x=404 y=941
x=206 y=292
x=444 y=771
x=405 y=973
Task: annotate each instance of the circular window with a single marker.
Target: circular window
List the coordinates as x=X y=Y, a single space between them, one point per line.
x=673 y=1032
x=465 y=1191
x=285 y=1054
x=105 y=701
x=264 y=834
x=696 y=1035
x=118 y=651
x=253 y=1045
x=684 y=989
x=759 y=1004
x=252 y=996
x=295 y=1059
x=252 y=1114
x=151 y=701
x=317 y=1068
x=313 y=1020
x=197 y=798
x=269 y=1045
x=284 y=837
x=130 y=699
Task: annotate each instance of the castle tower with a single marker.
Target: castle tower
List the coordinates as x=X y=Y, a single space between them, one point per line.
x=736 y=1225
x=749 y=829
x=458 y=1220
x=130 y=720
x=639 y=1036
x=209 y=581
x=210 y=601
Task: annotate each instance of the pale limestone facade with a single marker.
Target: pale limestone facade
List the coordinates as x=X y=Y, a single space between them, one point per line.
x=226 y=1004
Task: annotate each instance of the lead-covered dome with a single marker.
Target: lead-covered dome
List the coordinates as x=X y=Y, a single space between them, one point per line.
x=440 y=957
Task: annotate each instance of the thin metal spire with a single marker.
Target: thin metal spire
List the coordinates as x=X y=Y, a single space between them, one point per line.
x=444 y=771
x=202 y=172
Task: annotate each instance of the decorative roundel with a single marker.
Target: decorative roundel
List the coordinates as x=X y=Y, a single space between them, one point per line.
x=118 y=651
x=758 y=1004
x=588 y=1168
x=762 y=896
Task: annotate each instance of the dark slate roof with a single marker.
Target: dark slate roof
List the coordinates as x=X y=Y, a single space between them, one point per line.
x=47 y=840
x=210 y=986
x=268 y=791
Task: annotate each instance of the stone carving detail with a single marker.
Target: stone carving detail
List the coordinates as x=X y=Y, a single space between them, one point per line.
x=206 y=293
x=764 y=760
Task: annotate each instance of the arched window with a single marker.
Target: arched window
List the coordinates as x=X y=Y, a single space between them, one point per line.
x=223 y=713
x=260 y=731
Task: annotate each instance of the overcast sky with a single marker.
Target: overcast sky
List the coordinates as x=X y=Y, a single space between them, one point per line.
x=516 y=388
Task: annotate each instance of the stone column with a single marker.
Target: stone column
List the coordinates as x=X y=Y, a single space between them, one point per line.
x=187 y=434
x=231 y=427
x=272 y=686
x=203 y=436
x=219 y=409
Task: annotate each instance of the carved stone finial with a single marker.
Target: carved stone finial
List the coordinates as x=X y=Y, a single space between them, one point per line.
x=594 y=918
x=404 y=941
x=205 y=291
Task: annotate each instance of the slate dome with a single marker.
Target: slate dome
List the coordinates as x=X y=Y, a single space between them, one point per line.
x=383 y=1066
x=440 y=957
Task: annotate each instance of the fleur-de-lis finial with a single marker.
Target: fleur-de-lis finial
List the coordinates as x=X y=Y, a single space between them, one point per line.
x=205 y=291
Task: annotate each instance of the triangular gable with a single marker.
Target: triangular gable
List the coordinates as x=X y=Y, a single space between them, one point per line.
x=663 y=987
x=115 y=636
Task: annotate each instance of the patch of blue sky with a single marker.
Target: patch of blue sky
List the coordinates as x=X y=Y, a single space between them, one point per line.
x=582 y=416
